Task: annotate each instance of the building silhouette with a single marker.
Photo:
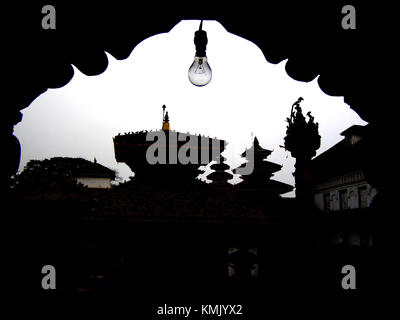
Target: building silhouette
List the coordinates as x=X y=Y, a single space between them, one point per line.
x=167 y=229
x=348 y=63
x=343 y=194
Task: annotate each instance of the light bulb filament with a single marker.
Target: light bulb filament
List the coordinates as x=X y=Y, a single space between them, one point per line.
x=200 y=68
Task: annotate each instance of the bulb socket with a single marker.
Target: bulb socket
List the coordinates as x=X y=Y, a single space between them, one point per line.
x=200 y=41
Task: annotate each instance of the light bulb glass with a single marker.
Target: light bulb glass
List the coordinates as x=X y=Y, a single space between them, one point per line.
x=200 y=72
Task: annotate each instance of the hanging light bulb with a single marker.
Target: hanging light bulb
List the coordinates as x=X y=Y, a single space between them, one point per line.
x=200 y=72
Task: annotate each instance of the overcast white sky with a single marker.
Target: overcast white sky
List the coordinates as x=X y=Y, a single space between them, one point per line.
x=246 y=95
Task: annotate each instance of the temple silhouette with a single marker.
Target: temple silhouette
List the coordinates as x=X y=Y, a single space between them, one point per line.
x=63 y=227
x=167 y=233
x=170 y=191
x=196 y=233
x=169 y=145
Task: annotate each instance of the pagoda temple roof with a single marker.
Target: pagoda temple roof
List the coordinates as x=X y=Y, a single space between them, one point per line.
x=260 y=155
x=267 y=166
x=258 y=150
x=219 y=176
x=259 y=180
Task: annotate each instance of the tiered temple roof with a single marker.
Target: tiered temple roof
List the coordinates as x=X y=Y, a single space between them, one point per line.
x=259 y=180
x=220 y=174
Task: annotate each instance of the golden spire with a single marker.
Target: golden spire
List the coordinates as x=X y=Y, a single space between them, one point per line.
x=165 y=125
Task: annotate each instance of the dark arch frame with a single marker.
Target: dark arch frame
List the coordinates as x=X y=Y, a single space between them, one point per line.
x=309 y=35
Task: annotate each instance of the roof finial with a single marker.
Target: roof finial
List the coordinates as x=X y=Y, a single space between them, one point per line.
x=165 y=125
x=255 y=141
x=163 y=111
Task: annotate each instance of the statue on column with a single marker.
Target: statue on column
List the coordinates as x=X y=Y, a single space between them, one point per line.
x=302 y=140
x=302 y=137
